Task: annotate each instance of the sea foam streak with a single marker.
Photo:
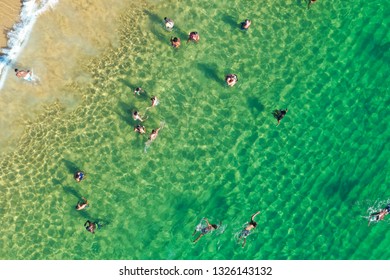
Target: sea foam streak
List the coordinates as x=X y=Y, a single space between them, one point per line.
x=18 y=36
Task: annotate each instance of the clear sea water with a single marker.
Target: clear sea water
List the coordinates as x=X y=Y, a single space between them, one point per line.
x=315 y=178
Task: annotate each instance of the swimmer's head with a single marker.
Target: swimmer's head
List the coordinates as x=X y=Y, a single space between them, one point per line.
x=214 y=226
x=16 y=70
x=253 y=223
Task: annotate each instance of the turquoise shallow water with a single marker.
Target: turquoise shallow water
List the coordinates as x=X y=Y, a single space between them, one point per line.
x=219 y=155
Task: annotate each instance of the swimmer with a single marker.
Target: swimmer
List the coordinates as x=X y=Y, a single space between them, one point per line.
x=279 y=115
x=154 y=134
x=138 y=91
x=79 y=176
x=378 y=216
x=231 y=79
x=193 y=36
x=22 y=73
x=205 y=230
x=245 y=24
x=155 y=101
x=175 y=42
x=169 y=24
x=140 y=129
x=136 y=116
x=91 y=227
x=245 y=232
x=310 y=2
x=82 y=204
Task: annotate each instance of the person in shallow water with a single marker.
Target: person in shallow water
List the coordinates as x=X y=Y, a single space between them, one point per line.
x=140 y=129
x=378 y=216
x=138 y=91
x=90 y=226
x=204 y=230
x=245 y=24
x=137 y=116
x=193 y=36
x=154 y=134
x=231 y=79
x=169 y=24
x=245 y=232
x=22 y=73
x=175 y=42
x=82 y=204
x=310 y=3
x=79 y=176
x=279 y=115
x=155 y=101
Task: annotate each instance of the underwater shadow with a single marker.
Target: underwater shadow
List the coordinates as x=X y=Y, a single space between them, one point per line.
x=210 y=72
x=71 y=166
x=255 y=106
x=125 y=113
x=228 y=19
x=128 y=84
x=73 y=192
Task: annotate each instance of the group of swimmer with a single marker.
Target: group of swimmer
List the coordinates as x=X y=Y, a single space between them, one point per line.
x=230 y=79
x=210 y=227
x=83 y=204
x=137 y=117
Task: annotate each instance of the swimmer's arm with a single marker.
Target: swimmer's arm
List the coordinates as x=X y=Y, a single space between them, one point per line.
x=207 y=221
x=254 y=215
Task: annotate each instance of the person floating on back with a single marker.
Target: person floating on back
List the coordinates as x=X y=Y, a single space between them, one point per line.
x=193 y=36
x=378 y=216
x=79 y=176
x=204 y=230
x=310 y=3
x=245 y=24
x=279 y=115
x=245 y=232
x=231 y=79
x=82 y=204
x=175 y=42
x=169 y=24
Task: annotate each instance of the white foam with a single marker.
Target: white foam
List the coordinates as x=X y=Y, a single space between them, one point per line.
x=18 y=36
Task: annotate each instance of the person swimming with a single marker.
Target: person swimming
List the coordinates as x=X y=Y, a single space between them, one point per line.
x=140 y=129
x=169 y=24
x=231 y=79
x=154 y=134
x=378 y=216
x=82 y=204
x=193 y=36
x=79 y=176
x=279 y=115
x=137 y=116
x=251 y=225
x=204 y=230
x=155 y=101
x=245 y=24
x=175 y=42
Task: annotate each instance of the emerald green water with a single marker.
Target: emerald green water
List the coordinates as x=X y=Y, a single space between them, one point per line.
x=315 y=178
